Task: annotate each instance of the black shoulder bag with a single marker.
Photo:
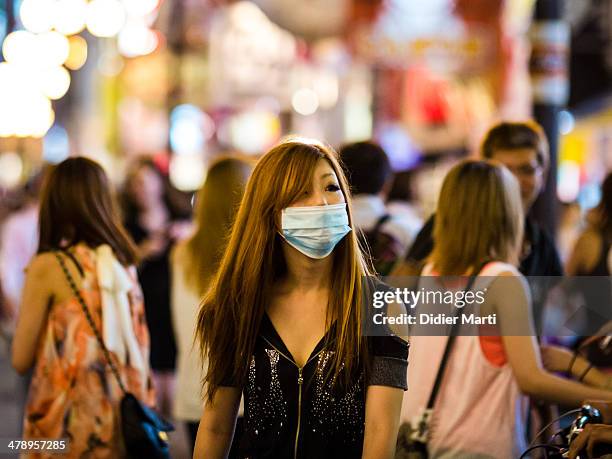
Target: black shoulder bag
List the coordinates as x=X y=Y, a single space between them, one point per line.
x=144 y=431
x=412 y=440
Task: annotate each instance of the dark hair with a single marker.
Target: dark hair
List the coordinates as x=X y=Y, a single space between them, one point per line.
x=401 y=190
x=367 y=167
x=177 y=204
x=605 y=205
x=76 y=205
x=516 y=135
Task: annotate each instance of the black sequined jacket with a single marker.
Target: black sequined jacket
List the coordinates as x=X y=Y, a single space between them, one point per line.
x=291 y=412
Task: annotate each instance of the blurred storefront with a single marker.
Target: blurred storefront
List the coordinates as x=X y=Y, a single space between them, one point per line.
x=187 y=80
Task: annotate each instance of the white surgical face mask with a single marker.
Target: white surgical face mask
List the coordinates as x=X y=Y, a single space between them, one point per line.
x=315 y=230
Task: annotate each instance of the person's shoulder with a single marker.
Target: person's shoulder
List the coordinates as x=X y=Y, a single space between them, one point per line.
x=42 y=264
x=499 y=268
x=501 y=275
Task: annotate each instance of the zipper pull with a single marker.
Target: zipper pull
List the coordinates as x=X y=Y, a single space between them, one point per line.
x=300 y=378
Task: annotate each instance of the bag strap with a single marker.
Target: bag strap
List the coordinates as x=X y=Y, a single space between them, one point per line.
x=79 y=297
x=74 y=260
x=449 y=345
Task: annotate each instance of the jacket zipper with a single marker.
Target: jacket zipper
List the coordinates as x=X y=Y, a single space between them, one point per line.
x=297 y=431
x=300 y=382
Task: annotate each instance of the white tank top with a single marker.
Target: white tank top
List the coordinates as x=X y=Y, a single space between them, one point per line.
x=185 y=302
x=479 y=412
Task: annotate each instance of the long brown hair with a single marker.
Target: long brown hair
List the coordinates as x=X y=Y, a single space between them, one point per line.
x=76 y=205
x=232 y=309
x=215 y=208
x=479 y=218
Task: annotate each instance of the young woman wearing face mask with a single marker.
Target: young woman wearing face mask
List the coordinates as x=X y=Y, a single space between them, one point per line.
x=282 y=323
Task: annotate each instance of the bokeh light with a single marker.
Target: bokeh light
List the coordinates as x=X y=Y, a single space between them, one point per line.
x=56 y=145
x=187 y=172
x=136 y=39
x=54 y=82
x=253 y=131
x=20 y=47
x=568 y=181
x=25 y=111
x=190 y=128
x=566 y=122
x=53 y=49
x=70 y=16
x=105 y=18
x=325 y=85
x=305 y=101
x=35 y=117
x=77 y=55
x=140 y=7
x=37 y=15
x=11 y=169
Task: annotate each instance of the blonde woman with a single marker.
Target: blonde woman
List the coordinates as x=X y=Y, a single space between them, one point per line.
x=193 y=264
x=282 y=323
x=479 y=224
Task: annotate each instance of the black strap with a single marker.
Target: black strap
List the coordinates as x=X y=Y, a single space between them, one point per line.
x=79 y=297
x=74 y=260
x=449 y=345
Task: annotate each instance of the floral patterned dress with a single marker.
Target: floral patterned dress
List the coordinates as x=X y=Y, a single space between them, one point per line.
x=73 y=393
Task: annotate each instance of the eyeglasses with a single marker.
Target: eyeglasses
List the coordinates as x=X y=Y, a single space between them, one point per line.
x=525 y=170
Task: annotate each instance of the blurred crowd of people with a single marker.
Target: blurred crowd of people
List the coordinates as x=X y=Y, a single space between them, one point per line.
x=250 y=290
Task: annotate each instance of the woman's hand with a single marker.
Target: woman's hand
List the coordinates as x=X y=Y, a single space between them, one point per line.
x=592 y=435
